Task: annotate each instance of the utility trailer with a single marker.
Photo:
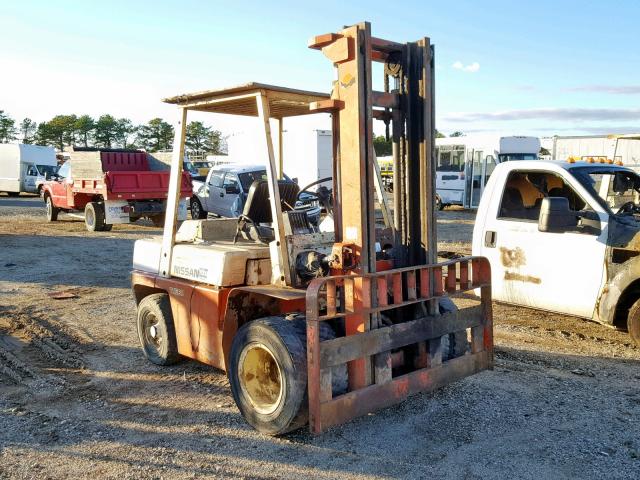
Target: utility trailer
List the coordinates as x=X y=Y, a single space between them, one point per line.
x=111 y=186
x=320 y=327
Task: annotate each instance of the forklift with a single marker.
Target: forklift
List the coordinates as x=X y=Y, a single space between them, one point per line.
x=320 y=325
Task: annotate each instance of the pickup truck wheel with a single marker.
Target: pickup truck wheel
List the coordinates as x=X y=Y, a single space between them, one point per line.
x=94 y=217
x=156 y=330
x=197 y=212
x=52 y=212
x=439 y=204
x=633 y=322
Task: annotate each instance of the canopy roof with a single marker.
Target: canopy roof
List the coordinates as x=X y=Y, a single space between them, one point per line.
x=241 y=100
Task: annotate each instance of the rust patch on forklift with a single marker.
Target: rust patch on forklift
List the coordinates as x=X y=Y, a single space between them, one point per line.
x=512 y=257
x=522 y=278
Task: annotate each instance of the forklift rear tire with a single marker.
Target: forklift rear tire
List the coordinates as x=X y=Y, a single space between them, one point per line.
x=633 y=322
x=94 y=217
x=52 y=212
x=156 y=330
x=268 y=374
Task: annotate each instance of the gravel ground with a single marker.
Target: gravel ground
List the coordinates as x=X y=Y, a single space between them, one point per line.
x=77 y=398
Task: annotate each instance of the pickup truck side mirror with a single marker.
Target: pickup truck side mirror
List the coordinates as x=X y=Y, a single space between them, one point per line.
x=556 y=216
x=232 y=189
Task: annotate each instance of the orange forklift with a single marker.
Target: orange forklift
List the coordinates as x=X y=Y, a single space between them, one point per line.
x=320 y=325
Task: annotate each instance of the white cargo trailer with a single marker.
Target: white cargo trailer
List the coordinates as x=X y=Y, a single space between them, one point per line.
x=623 y=148
x=24 y=168
x=308 y=155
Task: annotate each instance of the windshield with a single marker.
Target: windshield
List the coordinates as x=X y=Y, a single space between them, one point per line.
x=47 y=169
x=505 y=157
x=612 y=188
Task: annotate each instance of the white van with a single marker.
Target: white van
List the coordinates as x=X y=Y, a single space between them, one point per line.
x=464 y=164
x=24 y=168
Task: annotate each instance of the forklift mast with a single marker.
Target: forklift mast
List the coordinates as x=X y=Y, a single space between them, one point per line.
x=393 y=343
x=406 y=106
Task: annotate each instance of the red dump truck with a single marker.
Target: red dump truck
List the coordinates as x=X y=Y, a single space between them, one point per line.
x=111 y=186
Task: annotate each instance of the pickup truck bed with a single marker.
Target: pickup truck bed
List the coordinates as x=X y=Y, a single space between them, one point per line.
x=131 y=185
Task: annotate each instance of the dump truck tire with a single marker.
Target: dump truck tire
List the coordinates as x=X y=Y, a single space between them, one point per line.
x=156 y=330
x=158 y=220
x=268 y=373
x=197 y=212
x=51 y=211
x=454 y=344
x=633 y=322
x=94 y=217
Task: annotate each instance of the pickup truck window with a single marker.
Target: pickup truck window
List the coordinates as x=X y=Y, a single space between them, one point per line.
x=247 y=178
x=524 y=191
x=612 y=188
x=216 y=179
x=231 y=180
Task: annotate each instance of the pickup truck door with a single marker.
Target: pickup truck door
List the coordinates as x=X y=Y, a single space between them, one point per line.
x=213 y=189
x=229 y=195
x=61 y=187
x=560 y=272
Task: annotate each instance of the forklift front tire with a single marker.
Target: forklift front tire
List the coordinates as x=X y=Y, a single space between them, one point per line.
x=268 y=375
x=633 y=322
x=156 y=330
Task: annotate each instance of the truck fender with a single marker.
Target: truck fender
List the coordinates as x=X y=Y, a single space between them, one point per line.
x=619 y=293
x=245 y=304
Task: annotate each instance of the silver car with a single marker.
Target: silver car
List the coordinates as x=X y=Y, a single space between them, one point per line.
x=225 y=190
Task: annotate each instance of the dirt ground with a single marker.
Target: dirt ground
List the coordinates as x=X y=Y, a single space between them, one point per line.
x=78 y=400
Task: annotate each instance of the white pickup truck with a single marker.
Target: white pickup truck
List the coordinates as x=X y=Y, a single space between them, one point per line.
x=564 y=237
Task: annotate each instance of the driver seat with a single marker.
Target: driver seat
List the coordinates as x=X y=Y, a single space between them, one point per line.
x=257 y=210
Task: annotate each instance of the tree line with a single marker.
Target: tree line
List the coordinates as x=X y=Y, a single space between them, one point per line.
x=108 y=131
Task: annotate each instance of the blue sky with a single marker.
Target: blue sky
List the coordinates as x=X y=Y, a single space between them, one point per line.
x=513 y=67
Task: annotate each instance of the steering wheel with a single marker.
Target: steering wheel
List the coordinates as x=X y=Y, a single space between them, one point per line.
x=322 y=194
x=314 y=195
x=628 y=207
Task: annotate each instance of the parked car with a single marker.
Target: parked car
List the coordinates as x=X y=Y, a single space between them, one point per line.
x=225 y=190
